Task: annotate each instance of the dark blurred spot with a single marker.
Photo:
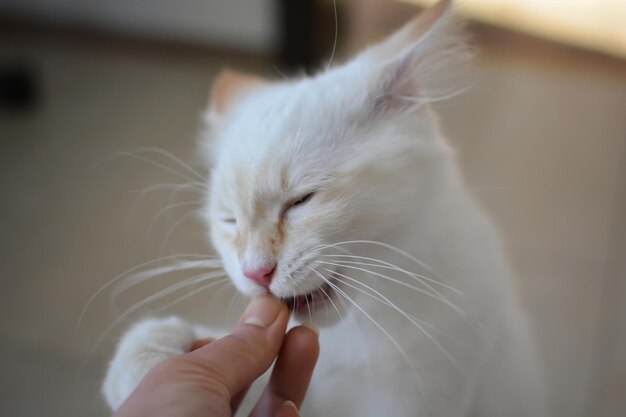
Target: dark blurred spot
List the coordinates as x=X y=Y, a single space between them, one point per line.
x=308 y=32
x=298 y=33
x=19 y=87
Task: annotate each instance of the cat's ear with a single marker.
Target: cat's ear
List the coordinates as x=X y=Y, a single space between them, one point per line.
x=227 y=87
x=411 y=33
x=413 y=66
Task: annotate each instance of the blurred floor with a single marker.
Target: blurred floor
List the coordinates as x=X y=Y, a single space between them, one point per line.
x=543 y=145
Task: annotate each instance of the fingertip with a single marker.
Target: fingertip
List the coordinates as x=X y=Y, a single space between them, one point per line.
x=287 y=409
x=304 y=340
x=263 y=311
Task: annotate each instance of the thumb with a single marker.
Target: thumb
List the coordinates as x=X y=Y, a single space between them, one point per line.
x=238 y=359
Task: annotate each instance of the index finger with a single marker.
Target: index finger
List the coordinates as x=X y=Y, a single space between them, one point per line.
x=292 y=372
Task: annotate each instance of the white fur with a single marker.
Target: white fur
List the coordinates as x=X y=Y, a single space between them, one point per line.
x=146 y=344
x=362 y=137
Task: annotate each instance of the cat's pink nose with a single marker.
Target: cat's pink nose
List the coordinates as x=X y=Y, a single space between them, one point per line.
x=262 y=275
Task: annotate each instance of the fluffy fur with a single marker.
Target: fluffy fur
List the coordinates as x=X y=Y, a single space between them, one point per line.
x=422 y=318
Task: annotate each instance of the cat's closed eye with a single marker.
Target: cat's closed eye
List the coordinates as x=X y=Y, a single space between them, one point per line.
x=299 y=201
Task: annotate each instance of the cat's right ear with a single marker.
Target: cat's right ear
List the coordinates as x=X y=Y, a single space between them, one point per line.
x=229 y=86
x=417 y=64
x=416 y=31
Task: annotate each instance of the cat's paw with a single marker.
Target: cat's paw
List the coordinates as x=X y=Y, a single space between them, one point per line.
x=145 y=345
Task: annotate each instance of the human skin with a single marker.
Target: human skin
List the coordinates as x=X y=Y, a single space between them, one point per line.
x=212 y=379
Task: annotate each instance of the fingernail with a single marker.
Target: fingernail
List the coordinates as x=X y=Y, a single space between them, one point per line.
x=312 y=327
x=290 y=404
x=262 y=311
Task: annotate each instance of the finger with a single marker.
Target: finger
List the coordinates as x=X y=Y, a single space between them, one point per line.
x=288 y=409
x=236 y=360
x=294 y=365
x=292 y=372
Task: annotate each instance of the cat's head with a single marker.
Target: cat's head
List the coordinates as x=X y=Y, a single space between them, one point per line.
x=301 y=164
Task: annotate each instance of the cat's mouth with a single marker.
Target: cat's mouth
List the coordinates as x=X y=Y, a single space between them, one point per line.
x=311 y=301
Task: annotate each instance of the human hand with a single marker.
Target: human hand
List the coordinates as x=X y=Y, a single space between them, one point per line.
x=212 y=380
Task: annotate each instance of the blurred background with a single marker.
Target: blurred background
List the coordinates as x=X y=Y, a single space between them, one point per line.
x=92 y=92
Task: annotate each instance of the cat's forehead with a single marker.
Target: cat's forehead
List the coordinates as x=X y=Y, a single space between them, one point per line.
x=264 y=175
x=275 y=115
x=249 y=176
x=279 y=131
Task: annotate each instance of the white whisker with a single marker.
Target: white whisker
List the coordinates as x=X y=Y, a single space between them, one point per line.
x=140 y=277
x=424 y=323
x=180 y=266
x=173 y=157
x=295 y=302
x=332 y=55
x=219 y=292
x=419 y=262
x=194 y=187
x=325 y=293
x=388 y=265
x=231 y=306
x=168 y=208
x=435 y=294
x=158 y=164
x=357 y=326
x=385 y=245
x=381 y=328
x=194 y=292
x=330 y=300
x=168 y=290
x=399 y=310
x=308 y=307
x=174 y=226
x=279 y=72
x=397 y=281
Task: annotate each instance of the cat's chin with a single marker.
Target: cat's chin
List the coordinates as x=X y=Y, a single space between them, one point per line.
x=312 y=300
x=318 y=306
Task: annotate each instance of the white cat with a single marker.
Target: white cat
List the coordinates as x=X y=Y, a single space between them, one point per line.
x=337 y=193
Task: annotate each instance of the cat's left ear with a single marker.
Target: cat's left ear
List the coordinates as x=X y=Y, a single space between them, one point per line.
x=229 y=86
x=413 y=66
